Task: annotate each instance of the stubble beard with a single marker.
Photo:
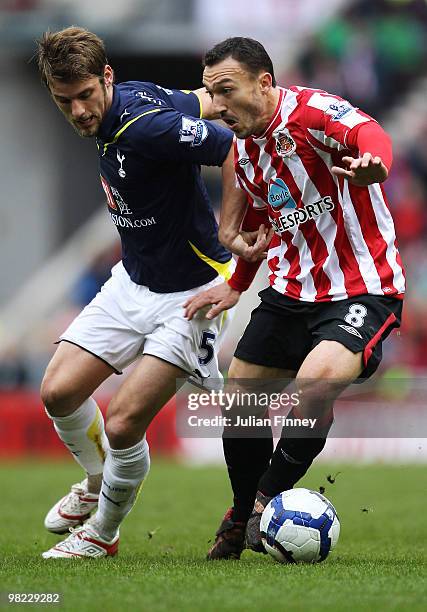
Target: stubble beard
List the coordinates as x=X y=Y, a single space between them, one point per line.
x=93 y=130
x=252 y=126
x=89 y=132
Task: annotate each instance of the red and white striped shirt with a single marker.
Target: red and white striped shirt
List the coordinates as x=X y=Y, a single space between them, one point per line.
x=333 y=240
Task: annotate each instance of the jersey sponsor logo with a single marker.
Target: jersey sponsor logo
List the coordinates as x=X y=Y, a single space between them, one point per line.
x=340 y=110
x=289 y=220
x=279 y=195
x=285 y=144
x=123 y=207
x=121 y=158
x=110 y=200
x=114 y=199
x=125 y=222
x=243 y=161
x=351 y=330
x=194 y=131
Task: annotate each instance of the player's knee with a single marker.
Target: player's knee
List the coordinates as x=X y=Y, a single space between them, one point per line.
x=58 y=400
x=321 y=390
x=122 y=431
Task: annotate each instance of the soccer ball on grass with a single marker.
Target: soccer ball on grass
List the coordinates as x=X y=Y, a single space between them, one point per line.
x=299 y=526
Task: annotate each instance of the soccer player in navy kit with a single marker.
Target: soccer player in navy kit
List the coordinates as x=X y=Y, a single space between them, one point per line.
x=150 y=143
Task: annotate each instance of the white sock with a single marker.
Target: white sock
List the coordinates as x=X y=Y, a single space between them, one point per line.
x=83 y=434
x=124 y=473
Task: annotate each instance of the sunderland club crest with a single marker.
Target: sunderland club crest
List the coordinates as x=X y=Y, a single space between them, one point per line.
x=285 y=144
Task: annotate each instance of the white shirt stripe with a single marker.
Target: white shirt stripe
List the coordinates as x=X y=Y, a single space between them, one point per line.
x=386 y=226
x=360 y=248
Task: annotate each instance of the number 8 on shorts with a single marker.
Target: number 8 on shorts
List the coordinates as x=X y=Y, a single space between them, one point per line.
x=356 y=315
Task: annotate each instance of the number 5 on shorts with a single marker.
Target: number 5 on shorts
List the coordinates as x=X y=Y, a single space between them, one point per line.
x=206 y=344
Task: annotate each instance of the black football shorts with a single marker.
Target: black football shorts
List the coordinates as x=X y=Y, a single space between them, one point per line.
x=282 y=331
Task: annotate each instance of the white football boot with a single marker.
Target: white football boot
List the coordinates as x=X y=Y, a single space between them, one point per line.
x=83 y=541
x=72 y=510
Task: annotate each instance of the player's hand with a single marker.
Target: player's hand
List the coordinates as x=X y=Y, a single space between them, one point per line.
x=252 y=246
x=362 y=171
x=218 y=298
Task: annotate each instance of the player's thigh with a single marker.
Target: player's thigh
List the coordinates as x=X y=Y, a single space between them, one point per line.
x=331 y=360
x=147 y=389
x=71 y=377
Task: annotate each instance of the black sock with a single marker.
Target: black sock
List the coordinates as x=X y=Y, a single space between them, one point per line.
x=292 y=458
x=247 y=459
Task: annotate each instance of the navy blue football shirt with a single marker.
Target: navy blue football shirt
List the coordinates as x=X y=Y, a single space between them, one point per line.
x=151 y=144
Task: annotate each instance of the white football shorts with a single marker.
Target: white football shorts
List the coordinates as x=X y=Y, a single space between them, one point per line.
x=126 y=320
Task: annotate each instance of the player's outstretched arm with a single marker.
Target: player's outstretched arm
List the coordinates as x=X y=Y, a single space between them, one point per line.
x=373 y=163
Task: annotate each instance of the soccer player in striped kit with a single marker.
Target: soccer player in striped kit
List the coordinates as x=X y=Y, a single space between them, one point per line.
x=312 y=166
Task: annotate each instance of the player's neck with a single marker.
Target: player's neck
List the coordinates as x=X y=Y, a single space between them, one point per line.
x=109 y=98
x=273 y=97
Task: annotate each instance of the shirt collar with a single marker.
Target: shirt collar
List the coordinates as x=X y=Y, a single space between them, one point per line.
x=267 y=132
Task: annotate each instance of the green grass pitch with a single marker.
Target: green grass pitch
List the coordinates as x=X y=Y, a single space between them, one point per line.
x=379 y=562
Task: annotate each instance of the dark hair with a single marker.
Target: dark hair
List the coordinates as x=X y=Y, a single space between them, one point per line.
x=72 y=54
x=247 y=51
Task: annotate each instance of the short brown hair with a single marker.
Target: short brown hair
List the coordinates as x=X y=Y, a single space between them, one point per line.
x=72 y=54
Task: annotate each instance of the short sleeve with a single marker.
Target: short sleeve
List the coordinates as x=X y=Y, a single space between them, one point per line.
x=329 y=119
x=170 y=135
x=188 y=102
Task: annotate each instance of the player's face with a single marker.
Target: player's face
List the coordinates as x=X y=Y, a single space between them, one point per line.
x=84 y=103
x=238 y=96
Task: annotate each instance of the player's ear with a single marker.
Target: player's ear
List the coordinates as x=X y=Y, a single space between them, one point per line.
x=108 y=75
x=265 y=81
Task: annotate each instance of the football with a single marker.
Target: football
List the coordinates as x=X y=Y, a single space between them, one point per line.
x=299 y=526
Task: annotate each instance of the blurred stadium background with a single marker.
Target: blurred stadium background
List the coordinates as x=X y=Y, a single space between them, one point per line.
x=57 y=244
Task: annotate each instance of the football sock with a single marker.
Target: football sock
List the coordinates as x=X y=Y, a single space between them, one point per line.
x=83 y=434
x=247 y=459
x=292 y=457
x=124 y=472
